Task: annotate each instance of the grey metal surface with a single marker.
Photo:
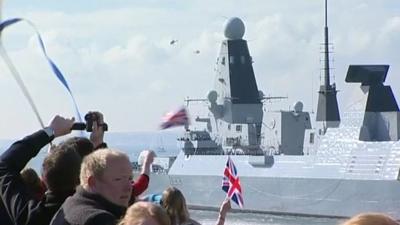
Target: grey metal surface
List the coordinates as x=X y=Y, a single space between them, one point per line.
x=343 y=177
x=328 y=108
x=286 y=163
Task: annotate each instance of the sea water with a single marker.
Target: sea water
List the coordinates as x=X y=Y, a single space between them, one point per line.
x=237 y=218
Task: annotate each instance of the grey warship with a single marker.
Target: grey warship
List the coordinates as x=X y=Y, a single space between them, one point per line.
x=339 y=165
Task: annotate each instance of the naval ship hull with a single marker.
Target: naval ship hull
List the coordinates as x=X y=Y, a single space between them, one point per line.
x=292 y=196
x=287 y=195
x=343 y=165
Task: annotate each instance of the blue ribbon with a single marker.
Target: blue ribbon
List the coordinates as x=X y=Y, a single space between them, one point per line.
x=53 y=66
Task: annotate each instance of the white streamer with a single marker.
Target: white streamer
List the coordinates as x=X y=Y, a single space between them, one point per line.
x=16 y=75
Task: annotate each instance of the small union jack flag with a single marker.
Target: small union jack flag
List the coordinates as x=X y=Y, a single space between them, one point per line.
x=175 y=118
x=231 y=183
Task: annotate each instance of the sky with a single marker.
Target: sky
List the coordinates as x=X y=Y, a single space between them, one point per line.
x=117 y=58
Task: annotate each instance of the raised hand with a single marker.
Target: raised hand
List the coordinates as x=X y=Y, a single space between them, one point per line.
x=61 y=125
x=97 y=135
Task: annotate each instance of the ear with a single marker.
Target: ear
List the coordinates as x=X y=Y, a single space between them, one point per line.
x=91 y=182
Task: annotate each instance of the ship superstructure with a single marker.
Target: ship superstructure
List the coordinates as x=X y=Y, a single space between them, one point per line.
x=286 y=165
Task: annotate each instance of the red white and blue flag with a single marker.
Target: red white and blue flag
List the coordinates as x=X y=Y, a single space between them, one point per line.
x=175 y=118
x=231 y=183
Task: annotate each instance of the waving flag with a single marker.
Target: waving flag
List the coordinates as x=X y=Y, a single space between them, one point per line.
x=231 y=183
x=175 y=118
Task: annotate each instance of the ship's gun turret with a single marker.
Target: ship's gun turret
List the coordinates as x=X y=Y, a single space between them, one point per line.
x=381 y=118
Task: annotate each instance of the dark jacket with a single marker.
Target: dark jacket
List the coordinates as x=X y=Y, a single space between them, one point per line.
x=18 y=201
x=4 y=217
x=85 y=208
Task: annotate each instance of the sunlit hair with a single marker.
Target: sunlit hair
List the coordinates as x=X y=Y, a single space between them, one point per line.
x=139 y=212
x=95 y=163
x=174 y=203
x=371 y=219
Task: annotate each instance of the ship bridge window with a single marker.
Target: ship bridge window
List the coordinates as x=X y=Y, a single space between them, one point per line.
x=242 y=59
x=229 y=127
x=312 y=138
x=223 y=61
x=238 y=128
x=231 y=59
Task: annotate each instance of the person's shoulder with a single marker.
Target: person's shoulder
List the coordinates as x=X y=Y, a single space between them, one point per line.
x=101 y=217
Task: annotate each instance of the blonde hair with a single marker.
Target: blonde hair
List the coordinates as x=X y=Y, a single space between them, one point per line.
x=95 y=163
x=140 y=211
x=174 y=203
x=371 y=219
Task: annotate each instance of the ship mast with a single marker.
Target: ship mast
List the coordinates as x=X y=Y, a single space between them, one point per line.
x=326 y=45
x=328 y=110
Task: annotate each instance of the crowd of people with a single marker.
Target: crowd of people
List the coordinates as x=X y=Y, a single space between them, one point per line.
x=83 y=182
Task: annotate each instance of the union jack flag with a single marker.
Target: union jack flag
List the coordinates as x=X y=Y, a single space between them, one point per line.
x=175 y=118
x=231 y=183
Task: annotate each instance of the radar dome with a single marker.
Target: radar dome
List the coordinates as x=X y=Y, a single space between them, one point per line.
x=298 y=106
x=234 y=29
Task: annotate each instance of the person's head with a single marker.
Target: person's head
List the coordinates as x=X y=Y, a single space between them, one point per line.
x=60 y=169
x=31 y=179
x=108 y=173
x=174 y=203
x=371 y=219
x=145 y=213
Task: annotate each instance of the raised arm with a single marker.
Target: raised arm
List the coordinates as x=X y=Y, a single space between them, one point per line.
x=14 y=194
x=148 y=160
x=223 y=210
x=141 y=184
x=20 y=152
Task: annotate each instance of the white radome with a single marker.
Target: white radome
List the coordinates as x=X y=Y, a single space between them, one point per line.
x=234 y=28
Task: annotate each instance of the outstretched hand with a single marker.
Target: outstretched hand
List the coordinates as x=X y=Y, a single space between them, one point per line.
x=223 y=210
x=149 y=157
x=225 y=207
x=61 y=125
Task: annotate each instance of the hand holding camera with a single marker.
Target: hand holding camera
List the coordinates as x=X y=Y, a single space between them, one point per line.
x=61 y=126
x=94 y=121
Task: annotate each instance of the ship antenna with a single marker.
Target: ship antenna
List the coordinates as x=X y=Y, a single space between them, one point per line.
x=326 y=45
x=312 y=94
x=327 y=110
